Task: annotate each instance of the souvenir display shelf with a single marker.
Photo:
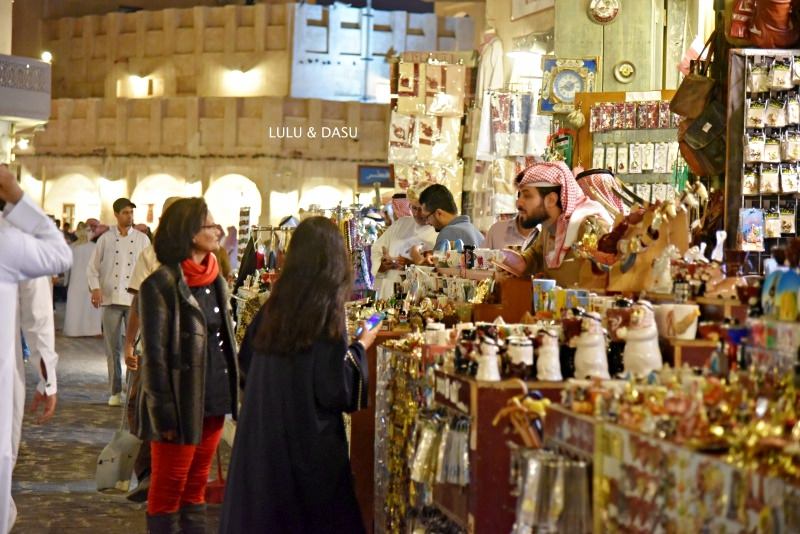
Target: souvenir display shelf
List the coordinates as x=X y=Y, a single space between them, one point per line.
x=401 y=391
x=586 y=139
x=740 y=61
x=362 y=438
x=640 y=481
x=486 y=504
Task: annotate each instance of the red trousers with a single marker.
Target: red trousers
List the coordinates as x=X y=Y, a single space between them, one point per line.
x=180 y=472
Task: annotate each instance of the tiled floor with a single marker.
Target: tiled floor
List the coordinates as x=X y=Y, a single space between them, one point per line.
x=53 y=484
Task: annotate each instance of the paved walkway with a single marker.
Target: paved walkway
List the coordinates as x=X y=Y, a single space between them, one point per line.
x=53 y=485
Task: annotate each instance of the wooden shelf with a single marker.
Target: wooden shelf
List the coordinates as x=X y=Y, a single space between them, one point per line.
x=486 y=504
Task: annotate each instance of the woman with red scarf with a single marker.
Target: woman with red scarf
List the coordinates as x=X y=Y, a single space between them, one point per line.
x=188 y=368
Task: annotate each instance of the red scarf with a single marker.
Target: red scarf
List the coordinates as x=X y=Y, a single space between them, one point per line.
x=200 y=274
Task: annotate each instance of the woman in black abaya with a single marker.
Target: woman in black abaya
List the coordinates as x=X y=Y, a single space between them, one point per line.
x=290 y=470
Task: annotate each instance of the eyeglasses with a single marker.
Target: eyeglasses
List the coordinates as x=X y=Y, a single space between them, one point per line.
x=425 y=216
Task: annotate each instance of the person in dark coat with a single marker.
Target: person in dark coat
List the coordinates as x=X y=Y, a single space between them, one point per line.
x=188 y=367
x=290 y=469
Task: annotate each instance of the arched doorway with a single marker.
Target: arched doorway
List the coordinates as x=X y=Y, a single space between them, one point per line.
x=228 y=194
x=72 y=198
x=152 y=191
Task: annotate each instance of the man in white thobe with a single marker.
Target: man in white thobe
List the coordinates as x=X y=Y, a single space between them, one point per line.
x=392 y=250
x=30 y=246
x=38 y=327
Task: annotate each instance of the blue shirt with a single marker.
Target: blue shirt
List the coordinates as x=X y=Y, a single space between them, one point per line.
x=460 y=228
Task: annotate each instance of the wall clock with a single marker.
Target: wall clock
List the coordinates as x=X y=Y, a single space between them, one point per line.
x=603 y=11
x=562 y=79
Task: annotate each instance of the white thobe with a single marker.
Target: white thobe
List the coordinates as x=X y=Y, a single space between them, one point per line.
x=30 y=246
x=398 y=239
x=81 y=318
x=38 y=327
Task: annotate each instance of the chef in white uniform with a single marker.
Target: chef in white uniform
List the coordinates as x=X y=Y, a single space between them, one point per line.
x=30 y=246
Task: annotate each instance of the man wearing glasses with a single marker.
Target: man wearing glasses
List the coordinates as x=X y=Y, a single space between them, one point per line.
x=440 y=211
x=109 y=272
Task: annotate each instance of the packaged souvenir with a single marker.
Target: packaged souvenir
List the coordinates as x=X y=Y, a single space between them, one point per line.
x=788 y=178
x=619 y=116
x=791 y=146
x=758 y=81
x=751 y=229
x=629 y=115
x=754 y=147
x=756 y=109
x=402 y=138
x=676 y=120
x=648 y=156
x=439 y=139
x=647 y=115
x=595 y=122
x=769 y=180
x=598 y=156
x=660 y=192
x=772 y=224
x=772 y=149
x=776 y=113
x=611 y=157
x=410 y=89
x=780 y=74
x=796 y=70
x=635 y=158
x=660 y=158
x=792 y=109
x=788 y=220
x=622 y=159
x=664 y=115
x=606 y=116
x=672 y=158
x=750 y=181
x=644 y=191
x=444 y=90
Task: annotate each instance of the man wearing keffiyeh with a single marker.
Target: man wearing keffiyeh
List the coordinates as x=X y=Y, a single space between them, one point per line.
x=549 y=195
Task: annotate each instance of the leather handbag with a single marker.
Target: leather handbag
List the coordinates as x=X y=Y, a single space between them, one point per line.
x=702 y=141
x=695 y=90
x=772 y=25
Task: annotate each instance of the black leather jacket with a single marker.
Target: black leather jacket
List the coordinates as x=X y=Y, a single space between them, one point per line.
x=174 y=338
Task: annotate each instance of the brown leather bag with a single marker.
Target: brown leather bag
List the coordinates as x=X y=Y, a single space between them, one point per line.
x=695 y=90
x=772 y=25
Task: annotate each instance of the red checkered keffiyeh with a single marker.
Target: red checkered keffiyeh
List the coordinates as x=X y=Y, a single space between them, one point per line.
x=601 y=183
x=576 y=206
x=401 y=207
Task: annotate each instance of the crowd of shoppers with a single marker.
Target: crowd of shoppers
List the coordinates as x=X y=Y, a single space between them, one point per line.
x=297 y=371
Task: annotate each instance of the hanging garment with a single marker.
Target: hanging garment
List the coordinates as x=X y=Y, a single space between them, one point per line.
x=491 y=73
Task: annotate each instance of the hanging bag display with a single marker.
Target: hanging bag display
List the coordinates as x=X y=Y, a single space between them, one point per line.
x=702 y=141
x=772 y=25
x=694 y=91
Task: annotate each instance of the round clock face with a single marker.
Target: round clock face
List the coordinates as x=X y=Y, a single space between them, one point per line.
x=565 y=84
x=603 y=11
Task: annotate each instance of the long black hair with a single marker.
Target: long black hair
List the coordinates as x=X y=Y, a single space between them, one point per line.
x=307 y=300
x=178 y=226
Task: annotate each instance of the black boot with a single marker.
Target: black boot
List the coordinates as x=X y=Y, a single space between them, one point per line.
x=163 y=524
x=193 y=519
